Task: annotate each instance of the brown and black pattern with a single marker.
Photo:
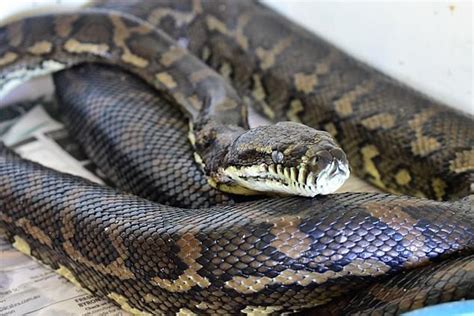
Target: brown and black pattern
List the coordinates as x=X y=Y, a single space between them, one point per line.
x=48 y=43
x=395 y=137
x=266 y=255
x=138 y=139
x=43 y=44
x=284 y=254
x=446 y=281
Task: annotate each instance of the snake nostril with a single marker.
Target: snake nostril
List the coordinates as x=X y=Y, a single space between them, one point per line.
x=322 y=159
x=338 y=154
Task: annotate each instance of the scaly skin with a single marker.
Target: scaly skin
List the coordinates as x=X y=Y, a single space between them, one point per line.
x=135 y=105
x=44 y=44
x=284 y=254
x=396 y=138
x=33 y=197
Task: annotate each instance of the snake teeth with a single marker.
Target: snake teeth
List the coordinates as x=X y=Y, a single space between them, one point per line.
x=294 y=174
x=310 y=179
x=288 y=180
x=280 y=170
x=272 y=169
x=302 y=175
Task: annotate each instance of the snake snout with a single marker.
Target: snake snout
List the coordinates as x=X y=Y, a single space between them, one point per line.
x=334 y=173
x=285 y=158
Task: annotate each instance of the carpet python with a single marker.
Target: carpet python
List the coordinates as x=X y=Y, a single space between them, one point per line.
x=285 y=158
x=396 y=138
x=269 y=255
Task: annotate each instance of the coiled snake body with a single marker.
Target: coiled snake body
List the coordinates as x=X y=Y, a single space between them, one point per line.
x=268 y=255
x=396 y=138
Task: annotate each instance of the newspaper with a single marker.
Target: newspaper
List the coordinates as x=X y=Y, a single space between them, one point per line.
x=33 y=130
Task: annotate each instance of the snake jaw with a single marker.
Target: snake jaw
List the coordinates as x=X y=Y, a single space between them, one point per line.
x=277 y=179
x=286 y=158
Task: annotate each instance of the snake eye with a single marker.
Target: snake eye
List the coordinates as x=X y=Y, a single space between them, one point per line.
x=277 y=156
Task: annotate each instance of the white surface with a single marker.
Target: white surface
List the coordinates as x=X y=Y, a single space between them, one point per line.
x=426 y=44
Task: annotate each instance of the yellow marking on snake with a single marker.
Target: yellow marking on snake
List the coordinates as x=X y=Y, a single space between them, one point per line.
x=8 y=58
x=230 y=188
x=63 y=25
x=288 y=238
x=258 y=91
x=369 y=152
x=296 y=107
x=180 y=18
x=260 y=310
x=305 y=83
x=123 y=302
x=74 y=46
x=259 y=94
x=421 y=118
x=201 y=75
x=206 y=53
x=185 y=312
x=358 y=267
x=190 y=250
x=68 y=275
x=262 y=149
x=167 y=80
x=191 y=136
x=423 y=145
x=21 y=245
x=34 y=231
x=121 y=33
x=323 y=67
x=40 y=48
x=403 y=177
x=134 y=60
x=464 y=161
x=331 y=129
x=225 y=70
x=198 y=158
x=238 y=35
x=174 y=54
x=383 y=120
x=439 y=187
x=268 y=56
x=202 y=305
x=343 y=105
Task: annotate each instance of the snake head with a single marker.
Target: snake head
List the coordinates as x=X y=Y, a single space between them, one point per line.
x=285 y=158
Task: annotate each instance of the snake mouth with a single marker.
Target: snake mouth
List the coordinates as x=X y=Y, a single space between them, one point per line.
x=289 y=180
